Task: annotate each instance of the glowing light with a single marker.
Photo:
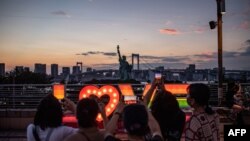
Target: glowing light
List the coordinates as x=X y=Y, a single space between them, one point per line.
x=126 y=89
x=99 y=116
x=58 y=91
x=104 y=90
x=183 y=102
x=99 y=93
x=146 y=88
x=110 y=90
x=175 y=89
x=151 y=99
x=108 y=109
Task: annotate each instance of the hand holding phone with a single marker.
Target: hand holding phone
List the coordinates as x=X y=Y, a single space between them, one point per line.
x=158 y=76
x=129 y=99
x=67 y=104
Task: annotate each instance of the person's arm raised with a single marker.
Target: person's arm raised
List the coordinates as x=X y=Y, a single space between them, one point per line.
x=152 y=123
x=112 y=124
x=69 y=105
x=148 y=95
x=103 y=114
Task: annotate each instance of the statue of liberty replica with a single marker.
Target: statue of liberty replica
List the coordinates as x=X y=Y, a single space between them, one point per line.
x=124 y=68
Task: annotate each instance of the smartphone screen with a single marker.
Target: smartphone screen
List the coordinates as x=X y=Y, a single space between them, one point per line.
x=130 y=99
x=157 y=76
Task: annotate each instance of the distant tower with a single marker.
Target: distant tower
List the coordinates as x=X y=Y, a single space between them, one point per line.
x=54 y=70
x=2 y=69
x=79 y=63
x=40 y=68
x=26 y=69
x=19 y=69
x=138 y=61
x=76 y=70
x=65 y=71
x=191 y=67
x=190 y=70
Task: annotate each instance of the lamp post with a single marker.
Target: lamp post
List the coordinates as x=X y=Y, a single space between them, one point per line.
x=220 y=11
x=220 y=65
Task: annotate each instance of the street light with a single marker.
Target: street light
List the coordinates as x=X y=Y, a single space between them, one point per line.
x=220 y=11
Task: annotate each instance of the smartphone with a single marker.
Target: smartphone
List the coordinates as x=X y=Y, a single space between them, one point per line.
x=158 y=76
x=128 y=99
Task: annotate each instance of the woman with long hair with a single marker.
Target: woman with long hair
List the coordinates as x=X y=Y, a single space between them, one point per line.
x=47 y=124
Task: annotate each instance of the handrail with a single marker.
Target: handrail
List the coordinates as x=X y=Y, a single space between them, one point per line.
x=27 y=96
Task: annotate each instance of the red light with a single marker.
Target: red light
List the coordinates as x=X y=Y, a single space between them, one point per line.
x=109 y=90
x=58 y=91
x=126 y=89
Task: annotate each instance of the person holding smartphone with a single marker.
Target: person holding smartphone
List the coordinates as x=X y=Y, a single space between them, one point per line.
x=165 y=109
x=48 y=121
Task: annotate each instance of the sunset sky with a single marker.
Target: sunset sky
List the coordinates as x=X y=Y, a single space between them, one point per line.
x=170 y=33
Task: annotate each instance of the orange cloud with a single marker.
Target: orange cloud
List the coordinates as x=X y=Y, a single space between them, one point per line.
x=169 y=31
x=200 y=30
x=245 y=25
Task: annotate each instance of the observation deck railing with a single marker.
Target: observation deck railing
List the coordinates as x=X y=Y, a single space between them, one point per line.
x=27 y=96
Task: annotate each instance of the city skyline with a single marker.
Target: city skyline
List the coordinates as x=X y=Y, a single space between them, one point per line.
x=165 y=33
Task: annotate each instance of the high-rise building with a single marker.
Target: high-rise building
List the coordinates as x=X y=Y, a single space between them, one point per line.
x=40 y=68
x=26 y=69
x=54 y=70
x=76 y=70
x=89 y=69
x=65 y=71
x=190 y=70
x=19 y=69
x=191 y=67
x=2 y=69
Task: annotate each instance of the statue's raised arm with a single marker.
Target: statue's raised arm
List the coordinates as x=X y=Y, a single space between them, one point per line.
x=118 y=51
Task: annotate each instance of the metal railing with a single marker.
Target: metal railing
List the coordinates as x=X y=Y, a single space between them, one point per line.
x=27 y=96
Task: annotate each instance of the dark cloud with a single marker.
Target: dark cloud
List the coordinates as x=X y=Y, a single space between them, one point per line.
x=150 y=57
x=110 y=53
x=175 y=59
x=106 y=66
x=229 y=54
x=85 y=54
x=205 y=56
x=60 y=13
x=98 y=52
x=94 y=52
x=165 y=59
x=246 y=51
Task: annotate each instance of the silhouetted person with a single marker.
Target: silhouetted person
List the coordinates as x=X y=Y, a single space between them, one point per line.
x=86 y=114
x=48 y=122
x=138 y=122
x=166 y=110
